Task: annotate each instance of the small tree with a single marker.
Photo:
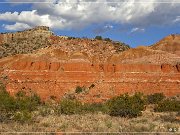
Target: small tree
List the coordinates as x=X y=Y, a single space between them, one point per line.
x=79 y=89
x=98 y=38
x=108 y=39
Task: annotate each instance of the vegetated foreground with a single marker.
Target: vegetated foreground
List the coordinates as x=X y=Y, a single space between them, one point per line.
x=149 y=122
x=136 y=113
x=53 y=66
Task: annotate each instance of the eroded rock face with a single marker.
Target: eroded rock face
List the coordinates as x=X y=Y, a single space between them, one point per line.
x=58 y=79
x=110 y=67
x=169 y=44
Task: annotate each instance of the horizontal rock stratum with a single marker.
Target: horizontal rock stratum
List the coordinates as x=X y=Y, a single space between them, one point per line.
x=98 y=66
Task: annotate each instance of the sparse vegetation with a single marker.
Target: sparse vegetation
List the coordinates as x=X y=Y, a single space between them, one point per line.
x=24 y=42
x=23 y=46
x=28 y=43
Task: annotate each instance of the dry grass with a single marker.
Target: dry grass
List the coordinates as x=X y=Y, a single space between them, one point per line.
x=148 y=122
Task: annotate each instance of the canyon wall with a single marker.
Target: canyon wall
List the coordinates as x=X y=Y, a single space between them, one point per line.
x=57 y=79
x=53 y=66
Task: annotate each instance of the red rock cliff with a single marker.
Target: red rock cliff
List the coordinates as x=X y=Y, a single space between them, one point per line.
x=58 y=69
x=57 y=79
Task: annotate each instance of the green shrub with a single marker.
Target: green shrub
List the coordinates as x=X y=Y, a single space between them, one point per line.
x=69 y=38
x=79 y=89
x=20 y=107
x=19 y=102
x=126 y=106
x=7 y=103
x=107 y=39
x=24 y=102
x=68 y=106
x=168 y=106
x=155 y=98
x=98 y=38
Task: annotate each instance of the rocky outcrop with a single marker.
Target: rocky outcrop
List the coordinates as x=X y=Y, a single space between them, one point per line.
x=24 y=42
x=145 y=55
x=96 y=50
x=40 y=31
x=169 y=44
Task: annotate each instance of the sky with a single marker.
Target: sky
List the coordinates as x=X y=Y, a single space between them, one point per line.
x=134 y=22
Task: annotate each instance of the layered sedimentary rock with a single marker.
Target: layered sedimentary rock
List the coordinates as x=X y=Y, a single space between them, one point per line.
x=58 y=79
x=101 y=68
